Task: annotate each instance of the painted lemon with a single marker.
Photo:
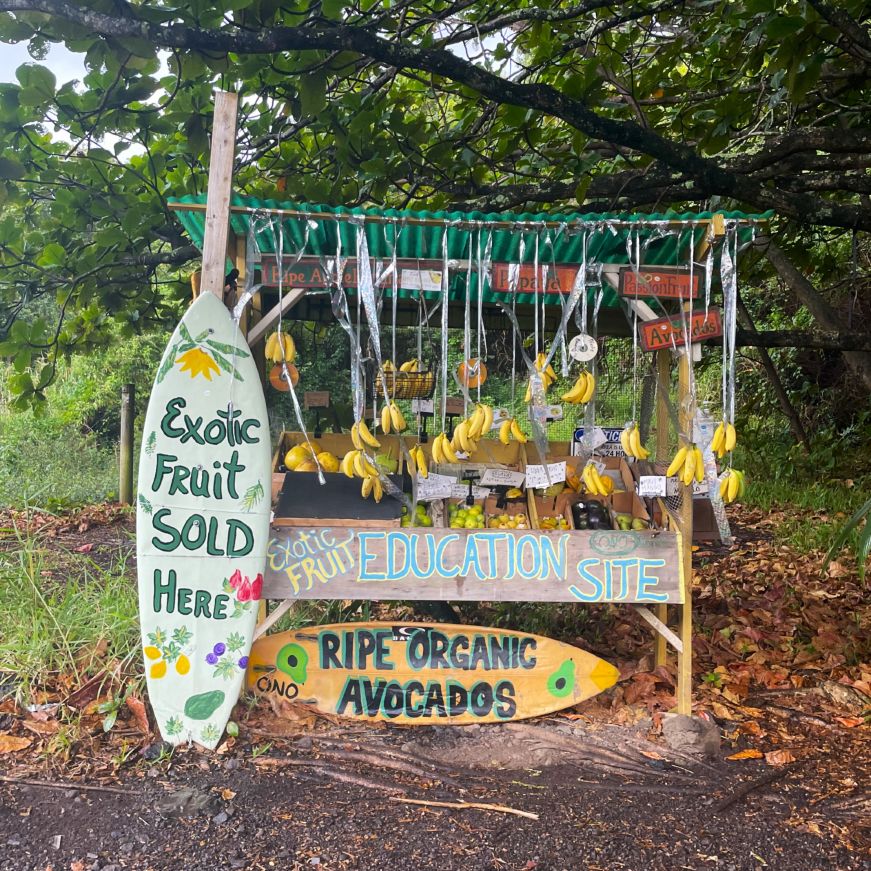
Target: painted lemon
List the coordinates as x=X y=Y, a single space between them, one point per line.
x=158 y=669
x=182 y=664
x=152 y=652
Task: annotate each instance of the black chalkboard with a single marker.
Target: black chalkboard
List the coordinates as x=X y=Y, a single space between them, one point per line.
x=303 y=496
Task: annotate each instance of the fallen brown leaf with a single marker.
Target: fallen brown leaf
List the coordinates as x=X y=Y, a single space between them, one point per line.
x=849 y=722
x=85 y=548
x=12 y=743
x=137 y=708
x=746 y=754
x=779 y=757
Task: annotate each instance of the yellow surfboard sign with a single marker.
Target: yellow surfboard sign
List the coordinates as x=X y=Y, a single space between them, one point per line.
x=418 y=674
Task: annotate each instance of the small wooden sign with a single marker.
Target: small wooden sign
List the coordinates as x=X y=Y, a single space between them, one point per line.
x=551 y=279
x=316 y=399
x=312 y=272
x=668 y=332
x=419 y=675
x=454 y=405
x=486 y=565
x=663 y=282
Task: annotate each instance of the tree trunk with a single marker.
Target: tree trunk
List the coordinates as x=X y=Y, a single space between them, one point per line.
x=858 y=361
x=795 y=423
x=819 y=340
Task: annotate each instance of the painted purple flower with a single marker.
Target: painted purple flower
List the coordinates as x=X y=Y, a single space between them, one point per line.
x=243 y=662
x=211 y=659
x=219 y=648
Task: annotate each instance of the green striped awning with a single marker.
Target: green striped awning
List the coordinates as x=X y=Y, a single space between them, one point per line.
x=666 y=239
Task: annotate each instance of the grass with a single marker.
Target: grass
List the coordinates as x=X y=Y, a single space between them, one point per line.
x=61 y=628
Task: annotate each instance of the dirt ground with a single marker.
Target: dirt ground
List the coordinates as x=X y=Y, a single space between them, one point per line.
x=778 y=779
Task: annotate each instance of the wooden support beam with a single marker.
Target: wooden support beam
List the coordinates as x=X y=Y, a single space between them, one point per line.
x=686 y=412
x=291 y=298
x=662 y=631
x=217 y=224
x=264 y=623
x=663 y=380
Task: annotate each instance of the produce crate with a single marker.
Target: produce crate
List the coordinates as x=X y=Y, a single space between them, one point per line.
x=551 y=506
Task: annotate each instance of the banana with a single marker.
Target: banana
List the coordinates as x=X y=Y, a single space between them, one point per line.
x=347 y=466
x=597 y=478
x=624 y=439
x=388 y=366
x=719 y=437
x=385 y=420
x=700 y=465
x=355 y=438
x=577 y=390
x=367 y=436
x=448 y=451
x=476 y=423
x=635 y=443
x=689 y=466
x=397 y=418
x=271 y=342
x=412 y=365
x=420 y=459
x=488 y=419
x=436 y=449
x=733 y=488
x=359 y=467
x=368 y=483
x=742 y=482
x=731 y=437
x=677 y=462
x=528 y=395
x=377 y=489
x=591 y=388
x=517 y=432
x=505 y=431
x=461 y=436
x=588 y=481
x=724 y=485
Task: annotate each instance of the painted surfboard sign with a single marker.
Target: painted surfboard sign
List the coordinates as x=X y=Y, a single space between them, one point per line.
x=420 y=674
x=202 y=523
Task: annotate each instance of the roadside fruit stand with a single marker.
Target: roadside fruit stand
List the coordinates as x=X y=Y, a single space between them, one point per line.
x=432 y=490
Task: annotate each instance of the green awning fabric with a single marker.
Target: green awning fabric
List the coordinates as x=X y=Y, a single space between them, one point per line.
x=665 y=239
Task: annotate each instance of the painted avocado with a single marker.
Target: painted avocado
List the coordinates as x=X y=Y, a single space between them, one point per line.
x=562 y=681
x=293 y=661
x=202 y=706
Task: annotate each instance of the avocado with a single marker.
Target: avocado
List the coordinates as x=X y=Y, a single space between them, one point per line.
x=202 y=706
x=293 y=661
x=562 y=681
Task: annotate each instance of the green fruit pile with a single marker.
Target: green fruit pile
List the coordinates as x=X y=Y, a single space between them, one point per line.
x=627 y=522
x=421 y=518
x=471 y=517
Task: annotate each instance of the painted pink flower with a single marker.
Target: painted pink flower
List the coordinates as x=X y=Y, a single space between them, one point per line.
x=257 y=588
x=235 y=579
x=243 y=592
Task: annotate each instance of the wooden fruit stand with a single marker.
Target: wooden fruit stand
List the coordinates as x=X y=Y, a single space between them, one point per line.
x=340 y=546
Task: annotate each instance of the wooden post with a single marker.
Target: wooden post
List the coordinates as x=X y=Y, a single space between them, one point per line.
x=663 y=380
x=686 y=416
x=125 y=451
x=218 y=197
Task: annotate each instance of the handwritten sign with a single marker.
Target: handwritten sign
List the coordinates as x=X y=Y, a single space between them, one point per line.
x=652 y=485
x=490 y=565
x=434 y=486
x=660 y=281
x=502 y=478
x=537 y=478
x=461 y=491
x=668 y=332
x=312 y=272
x=559 y=279
x=417 y=674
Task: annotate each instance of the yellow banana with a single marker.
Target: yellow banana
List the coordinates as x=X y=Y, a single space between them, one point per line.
x=574 y=394
x=488 y=419
x=461 y=435
x=731 y=437
x=368 y=483
x=448 y=451
x=408 y=366
x=385 y=420
x=742 y=482
x=719 y=437
x=517 y=432
x=505 y=431
x=635 y=442
x=397 y=418
x=347 y=466
x=624 y=439
x=677 y=462
x=724 y=485
x=689 y=466
x=355 y=438
x=420 y=459
x=367 y=436
x=377 y=489
x=436 y=449
x=700 y=465
x=528 y=396
x=733 y=488
x=271 y=342
x=359 y=467
x=591 y=388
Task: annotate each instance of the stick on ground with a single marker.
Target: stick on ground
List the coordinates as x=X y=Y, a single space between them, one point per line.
x=466 y=805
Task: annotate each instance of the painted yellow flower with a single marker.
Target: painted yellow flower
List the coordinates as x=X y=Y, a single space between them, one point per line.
x=198 y=362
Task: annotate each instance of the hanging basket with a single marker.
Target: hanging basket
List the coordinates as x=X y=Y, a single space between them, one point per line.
x=406 y=385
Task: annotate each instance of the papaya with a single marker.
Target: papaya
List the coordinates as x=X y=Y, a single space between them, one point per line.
x=203 y=705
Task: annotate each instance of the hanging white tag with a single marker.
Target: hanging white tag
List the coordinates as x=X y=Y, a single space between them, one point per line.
x=652 y=485
x=422 y=406
x=434 y=486
x=537 y=478
x=583 y=348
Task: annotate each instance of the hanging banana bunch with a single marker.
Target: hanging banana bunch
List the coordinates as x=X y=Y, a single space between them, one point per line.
x=416 y=462
x=688 y=464
x=280 y=348
x=595 y=484
x=509 y=429
x=732 y=485
x=361 y=437
x=547 y=374
x=724 y=440
x=582 y=390
x=392 y=419
x=442 y=452
x=355 y=464
x=630 y=441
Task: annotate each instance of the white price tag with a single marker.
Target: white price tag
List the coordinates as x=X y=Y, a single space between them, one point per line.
x=434 y=487
x=652 y=485
x=502 y=478
x=460 y=491
x=537 y=478
x=422 y=406
x=420 y=279
x=583 y=348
